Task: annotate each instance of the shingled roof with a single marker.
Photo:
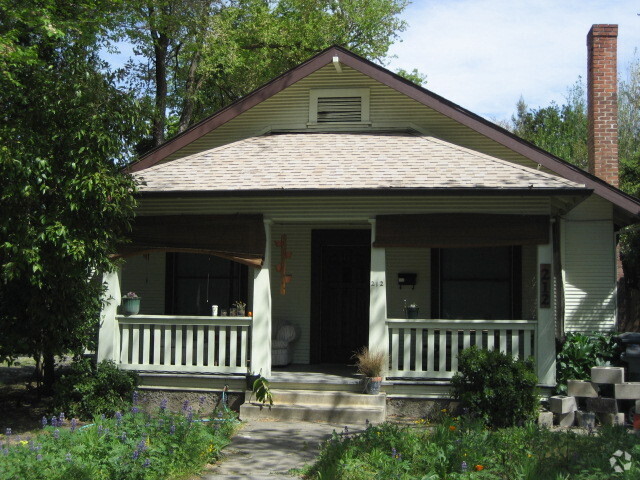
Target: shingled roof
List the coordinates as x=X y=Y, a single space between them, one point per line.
x=344 y=161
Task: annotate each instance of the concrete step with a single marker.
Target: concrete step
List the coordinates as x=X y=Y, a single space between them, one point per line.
x=317 y=406
x=336 y=399
x=314 y=413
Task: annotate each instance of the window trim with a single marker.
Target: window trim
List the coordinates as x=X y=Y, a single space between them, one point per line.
x=316 y=93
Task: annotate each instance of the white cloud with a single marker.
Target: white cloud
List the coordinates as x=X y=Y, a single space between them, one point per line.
x=484 y=54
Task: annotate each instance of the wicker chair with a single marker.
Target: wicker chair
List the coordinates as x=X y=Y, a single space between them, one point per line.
x=281 y=345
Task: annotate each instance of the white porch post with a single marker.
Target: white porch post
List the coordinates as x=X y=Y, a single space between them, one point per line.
x=261 y=328
x=545 y=339
x=109 y=334
x=378 y=336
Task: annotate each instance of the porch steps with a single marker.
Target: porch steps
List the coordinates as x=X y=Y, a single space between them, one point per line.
x=317 y=406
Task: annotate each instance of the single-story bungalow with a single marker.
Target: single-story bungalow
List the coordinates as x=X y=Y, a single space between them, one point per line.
x=334 y=200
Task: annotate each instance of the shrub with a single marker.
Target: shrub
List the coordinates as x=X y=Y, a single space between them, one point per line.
x=86 y=390
x=579 y=352
x=496 y=387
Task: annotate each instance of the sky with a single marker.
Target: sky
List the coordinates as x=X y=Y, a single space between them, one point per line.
x=485 y=54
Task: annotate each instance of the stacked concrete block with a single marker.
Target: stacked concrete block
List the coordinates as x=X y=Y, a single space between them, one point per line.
x=611 y=418
x=627 y=391
x=607 y=375
x=545 y=419
x=564 y=409
x=580 y=388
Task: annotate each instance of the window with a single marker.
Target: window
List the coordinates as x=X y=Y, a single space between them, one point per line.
x=195 y=282
x=477 y=283
x=339 y=105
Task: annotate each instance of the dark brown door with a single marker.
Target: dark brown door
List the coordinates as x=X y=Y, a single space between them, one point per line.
x=340 y=294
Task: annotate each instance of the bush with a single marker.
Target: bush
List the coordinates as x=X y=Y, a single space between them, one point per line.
x=133 y=446
x=86 y=391
x=579 y=352
x=496 y=387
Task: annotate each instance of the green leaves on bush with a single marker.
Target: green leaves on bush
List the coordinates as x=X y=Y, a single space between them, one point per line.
x=580 y=352
x=496 y=387
x=87 y=391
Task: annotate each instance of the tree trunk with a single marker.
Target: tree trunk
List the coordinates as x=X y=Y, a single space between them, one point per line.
x=191 y=87
x=49 y=372
x=161 y=47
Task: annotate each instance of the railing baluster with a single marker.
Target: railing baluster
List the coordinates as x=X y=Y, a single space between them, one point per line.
x=135 y=347
x=189 y=360
x=233 y=347
x=124 y=344
x=454 y=350
x=146 y=343
x=395 y=349
x=200 y=346
x=406 y=358
x=244 y=335
x=178 y=352
x=166 y=360
x=442 y=366
x=503 y=341
x=515 y=343
x=527 y=343
x=222 y=358
x=430 y=350
x=157 y=343
x=211 y=347
x=419 y=350
x=491 y=336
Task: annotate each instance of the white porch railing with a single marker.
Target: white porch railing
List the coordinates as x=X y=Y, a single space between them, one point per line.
x=430 y=348
x=161 y=343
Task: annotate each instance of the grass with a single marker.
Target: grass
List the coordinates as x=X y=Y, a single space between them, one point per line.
x=458 y=448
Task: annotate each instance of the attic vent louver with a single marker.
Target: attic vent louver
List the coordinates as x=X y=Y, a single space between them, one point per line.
x=338 y=106
x=339 y=109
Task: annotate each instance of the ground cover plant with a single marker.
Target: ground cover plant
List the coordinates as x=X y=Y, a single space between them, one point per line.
x=134 y=445
x=461 y=448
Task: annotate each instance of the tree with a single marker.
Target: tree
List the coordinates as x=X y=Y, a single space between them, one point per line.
x=198 y=56
x=64 y=204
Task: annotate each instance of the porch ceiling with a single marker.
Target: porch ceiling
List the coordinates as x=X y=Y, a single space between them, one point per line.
x=345 y=161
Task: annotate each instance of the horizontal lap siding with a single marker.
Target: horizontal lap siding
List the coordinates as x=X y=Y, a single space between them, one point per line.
x=289 y=109
x=589 y=267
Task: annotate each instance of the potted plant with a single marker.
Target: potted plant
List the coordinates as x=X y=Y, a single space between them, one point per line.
x=411 y=310
x=240 y=307
x=131 y=304
x=372 y=365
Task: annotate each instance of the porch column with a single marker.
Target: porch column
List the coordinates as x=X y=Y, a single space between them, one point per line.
x=109 y=333
x=545 y=338
x=378 y=335
x=261 y=328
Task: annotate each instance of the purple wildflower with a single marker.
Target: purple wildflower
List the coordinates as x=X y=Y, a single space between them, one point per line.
x=123 y=437
x=142 y=446
x=100 y=430
x=102 y=416
x=8 y=432
x=135 y=454
x=74 y=424
x=135 y=410
x=201 y=400
x=68 y=457
x=219 y=414
x=45 y=422
x=163 y=404
x=54 y=421
x=61 y=417
x=185 y=405
x=190 y=414
x=5 y=451
x=56 y=434
x=147 y=463
x=464 y=467
x=172 y=430
x=39 y=457
x=118 y=417
x=135 y=397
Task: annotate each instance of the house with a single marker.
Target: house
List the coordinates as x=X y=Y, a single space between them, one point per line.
x=338 y=193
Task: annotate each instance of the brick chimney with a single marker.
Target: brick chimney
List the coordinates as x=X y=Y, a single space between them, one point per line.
x=602 y=101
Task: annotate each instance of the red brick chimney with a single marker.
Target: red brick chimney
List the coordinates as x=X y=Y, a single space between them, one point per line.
x=602 y=101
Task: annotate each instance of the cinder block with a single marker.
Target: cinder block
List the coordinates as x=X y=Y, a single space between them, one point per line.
x=610 y=419
x=627 y=391
x=609 y=375
x=580 y=388
x=566 y=419
x=545 y=419
x=586 y=419
x=602 y=405
x=562 y=404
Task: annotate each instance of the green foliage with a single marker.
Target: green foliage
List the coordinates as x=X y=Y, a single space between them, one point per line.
x=414 y=76
x=528 y=453
x=495 y=387
x=86 y=391
x=558 y=129
x=133 y=446
x=198 y=56
x=262 y=390
x=579 y=352
x=64 y=205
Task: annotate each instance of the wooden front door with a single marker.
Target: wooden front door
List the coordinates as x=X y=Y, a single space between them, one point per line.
x=340 y=294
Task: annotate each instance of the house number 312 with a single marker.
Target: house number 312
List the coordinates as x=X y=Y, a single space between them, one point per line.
x=377 y=283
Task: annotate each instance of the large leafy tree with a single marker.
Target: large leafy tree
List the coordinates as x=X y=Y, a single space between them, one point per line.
x=200 y=55
x=64 y=128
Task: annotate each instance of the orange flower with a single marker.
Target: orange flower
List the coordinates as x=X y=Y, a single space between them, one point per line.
x=452 y=428
x=479 y=467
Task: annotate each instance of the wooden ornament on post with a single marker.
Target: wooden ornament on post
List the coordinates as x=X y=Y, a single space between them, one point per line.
x=282 y=266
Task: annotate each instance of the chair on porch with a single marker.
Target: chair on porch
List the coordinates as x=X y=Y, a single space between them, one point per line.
x=281 y=345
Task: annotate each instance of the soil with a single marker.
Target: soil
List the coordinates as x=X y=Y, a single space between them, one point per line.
x=21 y=405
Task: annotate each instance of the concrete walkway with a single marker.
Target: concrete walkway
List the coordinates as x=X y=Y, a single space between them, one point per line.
x=268 y=450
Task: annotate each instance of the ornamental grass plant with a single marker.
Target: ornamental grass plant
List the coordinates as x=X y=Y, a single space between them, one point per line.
x=130 y=446
x=464 y=448
x=371 y=363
